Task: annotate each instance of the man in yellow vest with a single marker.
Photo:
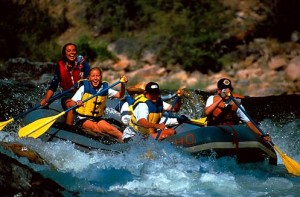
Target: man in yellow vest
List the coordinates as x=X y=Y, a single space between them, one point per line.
x=147 y=112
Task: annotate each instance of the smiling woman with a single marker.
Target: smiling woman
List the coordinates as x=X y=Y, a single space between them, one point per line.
x=70 y=69
x=90 y=114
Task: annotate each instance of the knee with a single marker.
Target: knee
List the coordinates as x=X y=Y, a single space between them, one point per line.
x=70 y=103
x=95 y=128
x=91 y=126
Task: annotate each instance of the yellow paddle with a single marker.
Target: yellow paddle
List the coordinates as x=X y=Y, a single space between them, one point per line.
x=200 y=121
x=291 y=165
x=39 y=127
x=3 y=124
x=185 y=119
x=53 y=98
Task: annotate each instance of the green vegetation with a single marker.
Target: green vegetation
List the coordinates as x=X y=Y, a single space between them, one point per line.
x=177 y=31
x=27 y=30
x=195 y=34
x=170 y=85
x=199 y=85
x=92 y=51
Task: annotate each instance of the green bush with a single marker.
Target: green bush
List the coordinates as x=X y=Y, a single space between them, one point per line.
x=170 y=85
x=92 y=51
x=25 y=30
x=177 y=31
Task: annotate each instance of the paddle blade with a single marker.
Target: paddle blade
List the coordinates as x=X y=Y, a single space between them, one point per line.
x=38 y=127
x=200 y=121
x=3 y=124
x=291 y=165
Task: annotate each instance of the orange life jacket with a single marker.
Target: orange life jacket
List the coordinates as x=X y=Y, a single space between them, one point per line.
x=224 y=115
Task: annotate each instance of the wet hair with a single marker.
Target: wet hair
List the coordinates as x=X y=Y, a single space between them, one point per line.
x=63 y=51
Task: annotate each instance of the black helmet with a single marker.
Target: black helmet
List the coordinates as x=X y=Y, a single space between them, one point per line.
x=152 y=88
x=224 y=83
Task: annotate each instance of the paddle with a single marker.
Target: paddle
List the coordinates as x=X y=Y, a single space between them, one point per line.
x=168 y=114
x=53 y=98
x=200 y=121
x=168 y=97
x=185 y=119
x=291 y=165
x=39 y=127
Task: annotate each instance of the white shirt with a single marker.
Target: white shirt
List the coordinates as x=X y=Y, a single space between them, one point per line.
x=239 y=112
x=78 y=95
x=142 y=110
x=125 y=118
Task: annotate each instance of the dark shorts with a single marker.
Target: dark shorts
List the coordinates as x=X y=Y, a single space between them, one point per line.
x=80 y=122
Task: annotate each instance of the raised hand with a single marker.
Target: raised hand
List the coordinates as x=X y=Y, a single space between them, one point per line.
x=180 y=92
x=123 y=79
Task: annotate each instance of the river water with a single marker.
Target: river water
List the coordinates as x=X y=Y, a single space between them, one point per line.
x=151 y=168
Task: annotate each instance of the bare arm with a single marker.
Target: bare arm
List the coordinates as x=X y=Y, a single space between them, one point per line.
x=212 y=107
x=267 y=138
x=144 y=123
x=48 y=95
x=121 y=94
x=253 y=128
x=178 y=104
x=122 y=91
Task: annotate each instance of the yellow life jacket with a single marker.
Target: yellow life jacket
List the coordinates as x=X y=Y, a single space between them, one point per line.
x=94 y=107
x=155 y=113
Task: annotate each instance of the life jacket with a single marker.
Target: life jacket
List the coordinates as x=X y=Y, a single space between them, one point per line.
x=224 y=115
x=155 y=114
x=69 y=77
x=127 y=99
x=94 y=107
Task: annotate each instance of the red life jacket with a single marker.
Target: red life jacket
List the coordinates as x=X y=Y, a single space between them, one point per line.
x=69 y=77
x=224 y=115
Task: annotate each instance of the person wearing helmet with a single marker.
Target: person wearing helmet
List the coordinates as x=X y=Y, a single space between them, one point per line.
x=220 y=109
x=147 y=111
x=124 y=107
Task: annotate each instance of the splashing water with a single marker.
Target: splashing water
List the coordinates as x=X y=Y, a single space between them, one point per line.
x=151 y=168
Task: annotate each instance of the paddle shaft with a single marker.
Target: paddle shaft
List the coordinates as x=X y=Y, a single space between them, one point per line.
x=168 y=97
x=3 y=124
x=291 y=165
x=253 y=122
x=53 y=98
x=200 y=121
x=40 y=126
x=168 y=114
x=102 y=90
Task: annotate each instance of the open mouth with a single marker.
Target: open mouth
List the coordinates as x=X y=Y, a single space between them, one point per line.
x=95 y=83
x=72 y=56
